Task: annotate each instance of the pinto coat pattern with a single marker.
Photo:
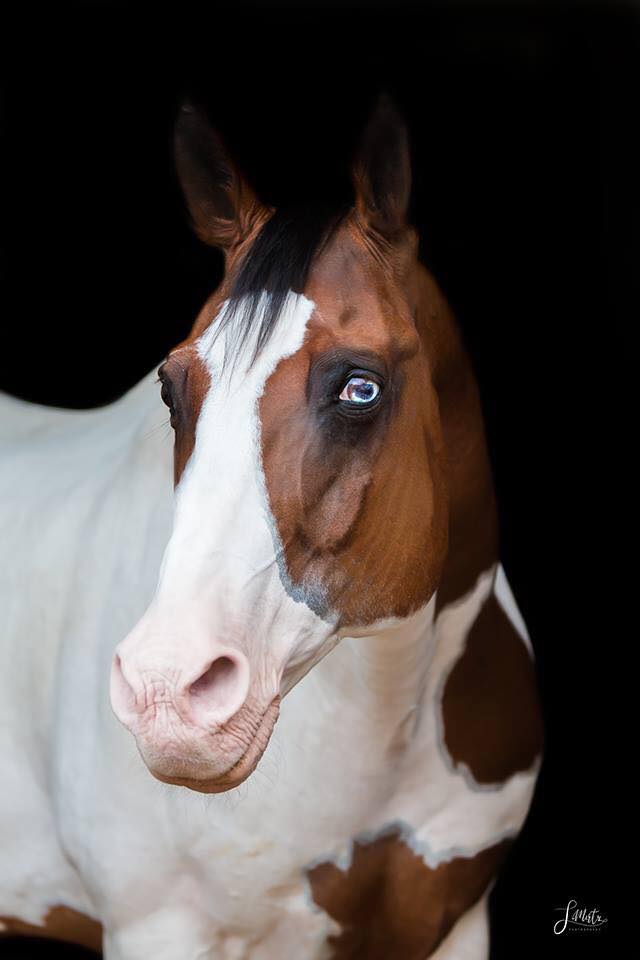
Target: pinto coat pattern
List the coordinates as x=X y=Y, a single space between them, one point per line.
x=329 y=732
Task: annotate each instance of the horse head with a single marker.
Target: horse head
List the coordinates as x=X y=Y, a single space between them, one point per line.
x=310 y=480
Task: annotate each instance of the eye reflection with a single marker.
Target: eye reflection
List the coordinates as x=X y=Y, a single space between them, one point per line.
x=361 y=390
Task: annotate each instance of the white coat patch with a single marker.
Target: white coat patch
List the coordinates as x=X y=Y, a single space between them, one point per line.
x=221 y=574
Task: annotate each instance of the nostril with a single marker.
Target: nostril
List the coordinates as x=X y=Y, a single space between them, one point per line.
x=214 y=680
x=123 y=698
x=220 y=691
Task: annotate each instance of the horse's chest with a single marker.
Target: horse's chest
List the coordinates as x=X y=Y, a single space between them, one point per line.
x=339 y=873
x=289 y=889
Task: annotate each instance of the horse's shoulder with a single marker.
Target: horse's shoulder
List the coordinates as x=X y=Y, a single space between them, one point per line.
x=392 y=904
x=491 y=720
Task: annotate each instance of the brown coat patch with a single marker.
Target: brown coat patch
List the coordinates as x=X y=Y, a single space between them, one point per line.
x=391 y=905
x=490 y=710
x=60 y=923
x=360 y=506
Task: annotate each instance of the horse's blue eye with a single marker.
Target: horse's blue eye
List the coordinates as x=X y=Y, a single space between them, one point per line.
x=360 y=390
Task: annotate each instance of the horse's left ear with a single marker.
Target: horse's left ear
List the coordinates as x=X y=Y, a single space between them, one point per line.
x=223 y=207
x=382 y=170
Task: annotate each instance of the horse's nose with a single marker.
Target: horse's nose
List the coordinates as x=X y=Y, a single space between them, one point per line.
x=211 y=694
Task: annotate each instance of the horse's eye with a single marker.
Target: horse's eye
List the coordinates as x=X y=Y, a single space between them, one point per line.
x=166 y=393
x=361 y=390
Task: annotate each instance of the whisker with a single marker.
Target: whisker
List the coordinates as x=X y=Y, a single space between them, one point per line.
x=154 y=431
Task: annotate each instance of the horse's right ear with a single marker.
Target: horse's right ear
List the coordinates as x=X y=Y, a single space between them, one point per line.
x=223 y=207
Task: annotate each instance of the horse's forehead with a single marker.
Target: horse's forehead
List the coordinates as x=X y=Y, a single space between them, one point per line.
x=351 y=299
x=216 y=375
x=349 y=275
x=359 y=302
x=227 y=352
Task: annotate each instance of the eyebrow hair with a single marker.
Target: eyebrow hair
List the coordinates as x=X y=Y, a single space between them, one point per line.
x=277 y=264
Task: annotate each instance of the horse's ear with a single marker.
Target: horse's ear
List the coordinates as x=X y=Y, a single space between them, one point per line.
x=382 y=170
x=223 y=207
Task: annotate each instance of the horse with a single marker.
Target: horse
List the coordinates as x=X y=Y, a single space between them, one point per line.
x=315 y=732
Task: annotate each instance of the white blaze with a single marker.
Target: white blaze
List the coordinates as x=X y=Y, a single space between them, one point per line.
x=220 y=574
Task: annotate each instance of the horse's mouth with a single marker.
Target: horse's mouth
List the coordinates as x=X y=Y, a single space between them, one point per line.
x=238 y=771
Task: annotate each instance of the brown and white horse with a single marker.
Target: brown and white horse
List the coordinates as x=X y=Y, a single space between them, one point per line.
x=332 y=496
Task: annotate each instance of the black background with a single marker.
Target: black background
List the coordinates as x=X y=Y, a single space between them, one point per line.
x=521 y=118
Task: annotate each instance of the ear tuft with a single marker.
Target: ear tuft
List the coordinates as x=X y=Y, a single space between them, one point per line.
x=222 y=206
x=382 y=170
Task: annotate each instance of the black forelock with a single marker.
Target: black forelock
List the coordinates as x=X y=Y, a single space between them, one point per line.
x=278 y=262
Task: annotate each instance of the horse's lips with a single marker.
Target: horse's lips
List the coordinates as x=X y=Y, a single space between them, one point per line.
x=243 y=767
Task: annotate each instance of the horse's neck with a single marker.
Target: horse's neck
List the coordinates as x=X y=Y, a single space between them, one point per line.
x=96 y=486
x=385 y=672
x=130 y=489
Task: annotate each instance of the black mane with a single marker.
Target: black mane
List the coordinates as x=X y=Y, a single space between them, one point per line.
x=278 y=262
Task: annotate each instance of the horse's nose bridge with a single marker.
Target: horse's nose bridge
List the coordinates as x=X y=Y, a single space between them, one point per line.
x=222 y=535
x=240 y=574
x=218 y=591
